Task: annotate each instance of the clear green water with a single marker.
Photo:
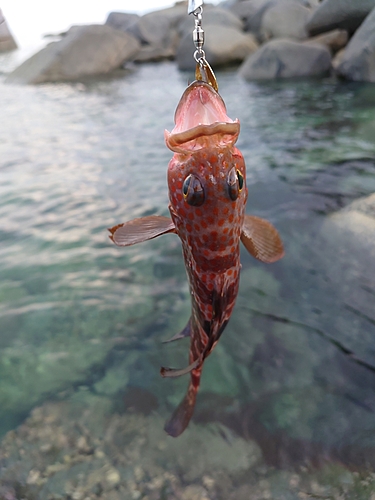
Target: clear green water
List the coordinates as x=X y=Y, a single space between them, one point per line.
x=295 y=369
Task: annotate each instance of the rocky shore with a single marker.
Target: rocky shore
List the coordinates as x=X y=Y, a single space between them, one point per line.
x=269 y=39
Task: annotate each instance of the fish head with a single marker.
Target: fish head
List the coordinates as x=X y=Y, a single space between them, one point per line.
x=201 y=121
x=206 y=179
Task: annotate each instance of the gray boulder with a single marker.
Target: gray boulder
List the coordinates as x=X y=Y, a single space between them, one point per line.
x=122 y=20
x=154 y=29
x=284 y=58
x=223 y=46
x=213 y=15
x=253 y=11
x=253 y=22
x=152 y=53
x=358 y=61
x=285 y=20
x=337 y=60
x=246 y=9
x=84 y=51
x=177 y=12
x=342 y=14
x=334 y=40
x=125 y=22
x=7 y=41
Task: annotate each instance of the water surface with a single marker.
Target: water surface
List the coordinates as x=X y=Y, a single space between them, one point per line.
x=294 y=373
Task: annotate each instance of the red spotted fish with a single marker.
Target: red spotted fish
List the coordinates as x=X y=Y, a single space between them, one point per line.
x=207 y=193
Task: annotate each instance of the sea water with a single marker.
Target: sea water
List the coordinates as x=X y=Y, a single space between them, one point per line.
x=294 y=372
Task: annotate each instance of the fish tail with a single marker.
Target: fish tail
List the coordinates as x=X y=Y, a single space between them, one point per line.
x=181 y=416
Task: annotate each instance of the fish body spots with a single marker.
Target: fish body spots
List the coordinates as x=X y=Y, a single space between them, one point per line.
x=210 y=234
x=213 y=229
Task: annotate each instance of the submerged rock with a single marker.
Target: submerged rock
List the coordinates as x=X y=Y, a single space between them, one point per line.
x=358 y=60
x=357 y=222
x=284 y=58
x=78 y=449
x=342 y=14
x=7 y=42
x=83 y=52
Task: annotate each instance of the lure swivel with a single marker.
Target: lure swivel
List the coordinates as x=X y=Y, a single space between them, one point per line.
x=195 y=7
x=203 y=70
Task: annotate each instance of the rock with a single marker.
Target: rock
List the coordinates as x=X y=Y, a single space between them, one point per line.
x=177 y=12
x=334 y=40
x=252 y=11
x=133 y=458
x=223 y=46
x=149 y=53
x=285 y=20
x=358 y=61
x=122 y=20
x=357 y=223
x=246 y=9
x=195 y=493
x=342 y=14
x=213 y=16
x=337 y=60
x=255 y=15
x=131 y=453
x=84 y=51
x=284 y=58
x=7 y=42
x=154 y=29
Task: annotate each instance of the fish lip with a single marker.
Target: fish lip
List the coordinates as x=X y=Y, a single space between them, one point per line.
x=176 y=140
x=200 y=102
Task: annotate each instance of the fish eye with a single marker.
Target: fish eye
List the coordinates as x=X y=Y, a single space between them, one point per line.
x=233 y=184
x=193 y=191
x=240 y=180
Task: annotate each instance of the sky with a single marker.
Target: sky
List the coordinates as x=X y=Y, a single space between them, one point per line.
x=28 y=20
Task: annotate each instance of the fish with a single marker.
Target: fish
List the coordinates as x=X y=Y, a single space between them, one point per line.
x=207 y=199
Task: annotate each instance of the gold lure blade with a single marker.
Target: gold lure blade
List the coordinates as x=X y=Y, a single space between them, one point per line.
x=208 y=75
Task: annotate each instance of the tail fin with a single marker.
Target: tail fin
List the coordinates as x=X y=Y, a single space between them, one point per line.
x=181 y=416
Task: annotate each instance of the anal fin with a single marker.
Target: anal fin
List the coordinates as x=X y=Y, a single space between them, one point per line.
x=177 y=372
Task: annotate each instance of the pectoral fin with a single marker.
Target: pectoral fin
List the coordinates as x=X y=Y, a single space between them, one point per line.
x=142 y=229
x=261 y=239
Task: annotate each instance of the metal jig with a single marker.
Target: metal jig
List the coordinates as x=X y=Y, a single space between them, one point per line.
x=203 y=70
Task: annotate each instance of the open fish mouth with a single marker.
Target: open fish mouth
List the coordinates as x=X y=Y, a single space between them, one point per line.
x=201 y=119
